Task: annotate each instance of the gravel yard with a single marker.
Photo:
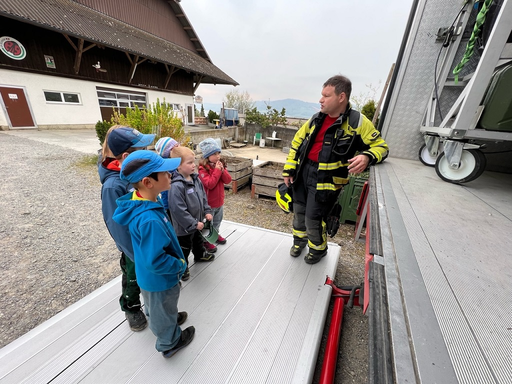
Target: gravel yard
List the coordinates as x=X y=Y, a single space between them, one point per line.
x=56 y=249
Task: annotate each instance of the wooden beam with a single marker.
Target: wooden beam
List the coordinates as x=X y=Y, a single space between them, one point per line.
x=133 y=68
x=187 y=28
x=198 y=83
x=78 y=57
x=89 y=47
x=194 y=39
x=170 y=72
x=129 y=57
x=70 y=41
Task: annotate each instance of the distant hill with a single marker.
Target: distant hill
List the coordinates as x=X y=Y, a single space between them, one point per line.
x=294 y=108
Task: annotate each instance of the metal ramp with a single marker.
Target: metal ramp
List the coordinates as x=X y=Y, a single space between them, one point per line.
x=446 y=256
x=258 y=313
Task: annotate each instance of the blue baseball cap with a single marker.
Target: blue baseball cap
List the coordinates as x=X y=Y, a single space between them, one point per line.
x=120 y=139
x=141 y=164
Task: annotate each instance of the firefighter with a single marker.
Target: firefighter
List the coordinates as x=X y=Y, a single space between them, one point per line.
x=335 y=142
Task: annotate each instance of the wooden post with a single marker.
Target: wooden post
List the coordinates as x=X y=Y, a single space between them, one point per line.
x=377 y=108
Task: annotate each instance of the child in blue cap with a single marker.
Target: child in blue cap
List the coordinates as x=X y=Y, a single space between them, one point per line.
x=119 y=142
x=159 y=261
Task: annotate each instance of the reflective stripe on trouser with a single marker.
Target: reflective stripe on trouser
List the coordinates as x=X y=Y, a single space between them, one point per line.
x=300 y=236
x=162 y=311
x=308 y=214
x=314 y=233
x=130 y=294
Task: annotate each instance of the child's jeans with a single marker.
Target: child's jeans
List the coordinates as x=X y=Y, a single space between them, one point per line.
x=218 y=215
x=162 y=313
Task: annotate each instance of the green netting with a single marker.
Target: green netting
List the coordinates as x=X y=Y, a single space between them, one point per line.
x=477 y=30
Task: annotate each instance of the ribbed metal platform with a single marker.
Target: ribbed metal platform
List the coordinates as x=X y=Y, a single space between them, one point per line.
x=258 y=313
x=447 y=258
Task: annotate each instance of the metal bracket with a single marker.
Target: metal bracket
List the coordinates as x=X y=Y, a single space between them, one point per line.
x=432 y=143
x=453 y=152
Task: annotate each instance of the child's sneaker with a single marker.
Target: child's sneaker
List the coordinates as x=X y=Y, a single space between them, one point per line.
x=182 y=317
x=186 y=275
x=186 y=338
x=221 y=240
x=206 y=257
x=136 y=320
x=210 y=248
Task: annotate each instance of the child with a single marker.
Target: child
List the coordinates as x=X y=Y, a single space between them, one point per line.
x=119 y=143
x=189 y=206
x=213 y=174
x=159 y=262
x=164 y=147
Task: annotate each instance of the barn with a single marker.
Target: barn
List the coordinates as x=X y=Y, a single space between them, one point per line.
x=66 y=64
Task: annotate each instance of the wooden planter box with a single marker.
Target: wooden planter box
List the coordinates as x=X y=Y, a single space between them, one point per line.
x=265 y=178
x=240 y=169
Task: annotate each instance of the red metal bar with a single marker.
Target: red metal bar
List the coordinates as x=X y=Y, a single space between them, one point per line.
x=331 y=349
x=367 y=259
x=341 y=297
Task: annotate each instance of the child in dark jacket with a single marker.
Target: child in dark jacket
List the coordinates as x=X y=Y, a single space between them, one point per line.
x=189 y=207
x=213 y=175
x=159 y=262
x=119 y=143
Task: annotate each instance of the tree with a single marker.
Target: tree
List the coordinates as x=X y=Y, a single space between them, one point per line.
x=275 y=117
x=369 y=110
x=271 y=118
x=212 y=115
x=241 y=101
x=361 y=99
x=202 y=110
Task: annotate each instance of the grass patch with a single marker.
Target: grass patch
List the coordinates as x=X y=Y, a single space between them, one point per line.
x=86 y=161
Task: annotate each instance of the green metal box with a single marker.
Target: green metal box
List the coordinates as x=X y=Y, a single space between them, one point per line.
x=497 y=114
x=349 y=198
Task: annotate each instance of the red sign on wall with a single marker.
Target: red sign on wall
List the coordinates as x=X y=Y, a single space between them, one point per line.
x=12 y=48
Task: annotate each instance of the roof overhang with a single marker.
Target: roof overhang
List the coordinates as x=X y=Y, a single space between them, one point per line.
x=73 y=19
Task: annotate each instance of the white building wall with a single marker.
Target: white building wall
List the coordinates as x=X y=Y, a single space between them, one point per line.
x=84 y=115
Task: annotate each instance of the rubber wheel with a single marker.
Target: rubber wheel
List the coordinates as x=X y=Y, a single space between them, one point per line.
x=425 y=156
x=472 y=165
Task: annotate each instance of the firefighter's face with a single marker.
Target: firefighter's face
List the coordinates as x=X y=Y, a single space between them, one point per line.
x=330 y=103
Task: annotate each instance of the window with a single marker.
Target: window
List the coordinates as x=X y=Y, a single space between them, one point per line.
x=120 y=99
x=62 y=97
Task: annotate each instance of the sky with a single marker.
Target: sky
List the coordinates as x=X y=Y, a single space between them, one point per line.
x=286 y=49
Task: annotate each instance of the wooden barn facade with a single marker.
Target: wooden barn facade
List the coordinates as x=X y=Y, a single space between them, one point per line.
x=67 y=64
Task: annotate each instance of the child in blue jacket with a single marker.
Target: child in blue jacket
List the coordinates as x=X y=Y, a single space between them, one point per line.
x=119 y=142
x=159 y=261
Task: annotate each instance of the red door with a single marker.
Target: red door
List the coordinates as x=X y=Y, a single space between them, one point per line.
x=17 y=107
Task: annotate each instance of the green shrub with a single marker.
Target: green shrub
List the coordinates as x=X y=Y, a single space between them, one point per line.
x=101 y=130
x=212 y=116
x=166 y=122
x=159 y=119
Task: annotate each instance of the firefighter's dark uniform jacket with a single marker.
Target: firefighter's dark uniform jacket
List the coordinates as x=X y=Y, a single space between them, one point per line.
x=351 y=134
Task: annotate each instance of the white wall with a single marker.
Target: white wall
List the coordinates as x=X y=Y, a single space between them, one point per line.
x=85 y=113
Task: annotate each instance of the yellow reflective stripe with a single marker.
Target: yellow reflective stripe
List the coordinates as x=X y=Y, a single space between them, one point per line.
x=325 y=187
x=320 y=247
x=331 y=166
x=300 y=234
x=340 y=180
